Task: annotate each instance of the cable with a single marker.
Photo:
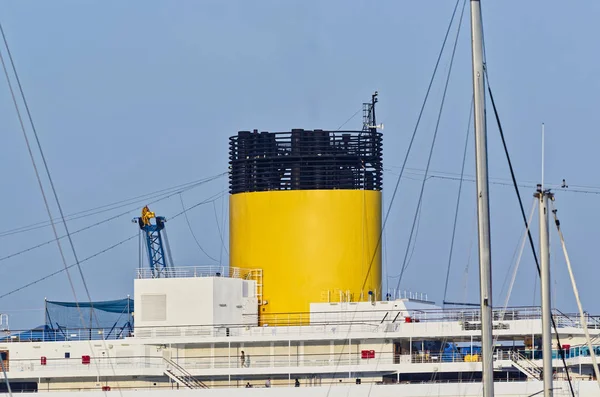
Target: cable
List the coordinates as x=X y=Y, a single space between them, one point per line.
x=379 y=240
x=347 y=121
x=517 y=263
x=577 y=298
x=462 y=171
x=220 y=233
x=116 y=205
x=90 y=226
x=516 y=187
x=209 y=200
x=435 y=133
x=585 y=189
x=412 y=139
x=68 y=267
x=39 y=180
x=192 y=230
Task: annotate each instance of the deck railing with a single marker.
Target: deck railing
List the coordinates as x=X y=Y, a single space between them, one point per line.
x=195 y=271
x=252 y=362
x=291 y=324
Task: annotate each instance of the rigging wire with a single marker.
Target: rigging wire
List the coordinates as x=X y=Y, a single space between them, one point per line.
x=462 y=171
x=50 y=275
x=577 y=298
x=116 y=205
x=39 y=180
x=494 y=181
x=90 y=226
x=532 y=245
x=187 y=220
x=220 y=234
x=412 y=139
x=350 y=118
x=435 y=133
x=518 y=262
x=379 y=239
x=444 y=341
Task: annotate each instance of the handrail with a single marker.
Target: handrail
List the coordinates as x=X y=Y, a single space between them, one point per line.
x=291 y=323
x=196 y=271
x=535 y=371
x=188 y=378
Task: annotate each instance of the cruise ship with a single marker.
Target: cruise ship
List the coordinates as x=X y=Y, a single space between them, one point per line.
x=299 y=306
x=300 y=309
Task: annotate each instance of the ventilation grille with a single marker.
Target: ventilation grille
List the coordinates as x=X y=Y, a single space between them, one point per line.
x=154 y=307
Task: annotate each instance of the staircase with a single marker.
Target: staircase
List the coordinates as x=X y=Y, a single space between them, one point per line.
x=526 y=366
x=179 y=375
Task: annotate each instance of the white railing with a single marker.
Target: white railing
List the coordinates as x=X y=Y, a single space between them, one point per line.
x=199 y=271
x=64 y=334
x=185 y=272
x=290 y=324
x=234 y=362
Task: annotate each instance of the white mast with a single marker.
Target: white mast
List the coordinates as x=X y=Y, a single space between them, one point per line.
x=483 y=203
x=545 y=280
x=543 y=197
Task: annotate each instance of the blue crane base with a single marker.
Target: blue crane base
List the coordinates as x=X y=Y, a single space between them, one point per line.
x=155 y=245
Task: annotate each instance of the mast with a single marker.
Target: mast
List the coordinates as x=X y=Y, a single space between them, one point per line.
x=483 y=203
x=543 y=196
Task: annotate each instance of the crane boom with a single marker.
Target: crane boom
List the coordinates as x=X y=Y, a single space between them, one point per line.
x=155 y=243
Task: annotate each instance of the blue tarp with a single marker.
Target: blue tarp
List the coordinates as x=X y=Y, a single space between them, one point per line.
x=116 y=306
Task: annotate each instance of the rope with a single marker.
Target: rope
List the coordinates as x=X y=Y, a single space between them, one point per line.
x=577 y=298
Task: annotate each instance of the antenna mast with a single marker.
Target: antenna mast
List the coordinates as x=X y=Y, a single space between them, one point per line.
x=369 y=120
x=483 y=203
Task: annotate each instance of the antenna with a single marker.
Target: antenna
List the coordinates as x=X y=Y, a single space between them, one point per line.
x=369 y=120
x=543 y=133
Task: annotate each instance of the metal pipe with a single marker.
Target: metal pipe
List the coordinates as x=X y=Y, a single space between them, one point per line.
x=483 y=204
x=543 y=197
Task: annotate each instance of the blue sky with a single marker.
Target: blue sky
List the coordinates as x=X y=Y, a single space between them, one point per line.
x=133 y=97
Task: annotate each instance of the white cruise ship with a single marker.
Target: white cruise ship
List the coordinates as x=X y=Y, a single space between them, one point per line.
x=310 y=320
x=197 y=328
x=300 y=309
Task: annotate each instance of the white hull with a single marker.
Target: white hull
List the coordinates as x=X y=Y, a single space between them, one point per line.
x=501 y=389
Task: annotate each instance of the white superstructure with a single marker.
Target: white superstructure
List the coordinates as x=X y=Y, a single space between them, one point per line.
x=192 y=327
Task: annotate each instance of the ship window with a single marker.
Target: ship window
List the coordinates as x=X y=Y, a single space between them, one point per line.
x=154 y=307
x=245 y=289
x=3 y=356
x=67 y=355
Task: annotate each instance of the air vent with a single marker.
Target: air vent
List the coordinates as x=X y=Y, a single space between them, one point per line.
x=154 y=307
